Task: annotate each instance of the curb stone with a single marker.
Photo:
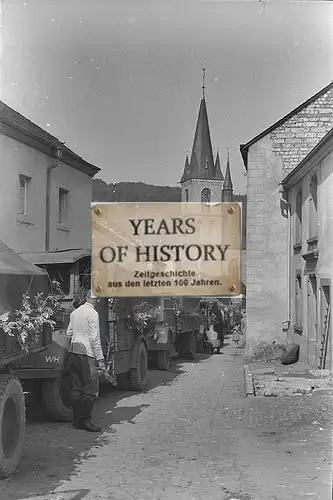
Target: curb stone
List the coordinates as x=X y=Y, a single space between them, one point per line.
x=270 y=382
x=323 y=391
x=319 y=374
x=249 y=388
x=264 y=371
x=303 y=374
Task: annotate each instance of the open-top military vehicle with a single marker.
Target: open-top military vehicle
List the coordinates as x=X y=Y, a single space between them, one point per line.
x=19 y=282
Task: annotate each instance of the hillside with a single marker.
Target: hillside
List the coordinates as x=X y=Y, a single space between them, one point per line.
x=141 y=192
x=134 y=191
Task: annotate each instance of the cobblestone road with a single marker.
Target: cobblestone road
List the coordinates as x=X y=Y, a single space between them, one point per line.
x=193 y=435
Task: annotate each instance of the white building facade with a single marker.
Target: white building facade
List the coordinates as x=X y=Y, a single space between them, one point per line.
x=309 y=191
x=45 y=190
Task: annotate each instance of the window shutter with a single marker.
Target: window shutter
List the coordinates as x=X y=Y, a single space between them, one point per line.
x=298 y=220
x=313 y=208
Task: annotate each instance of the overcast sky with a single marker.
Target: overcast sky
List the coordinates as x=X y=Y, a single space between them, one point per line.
x=120 y=80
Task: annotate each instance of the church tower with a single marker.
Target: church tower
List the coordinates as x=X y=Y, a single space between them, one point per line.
x=202 y=179
x=227 y=191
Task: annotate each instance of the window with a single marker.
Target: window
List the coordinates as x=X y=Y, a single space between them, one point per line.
x=298 y=219
x=186 y=194
x=24 y=193
x=63 y=206
x=313 y=216
x=205 y=195
x=298 y=303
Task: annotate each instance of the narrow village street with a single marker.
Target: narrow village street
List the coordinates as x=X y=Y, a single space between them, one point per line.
x=166 y=194
x=192 y=435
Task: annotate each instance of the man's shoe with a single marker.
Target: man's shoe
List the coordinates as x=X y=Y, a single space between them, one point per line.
x=88 y=426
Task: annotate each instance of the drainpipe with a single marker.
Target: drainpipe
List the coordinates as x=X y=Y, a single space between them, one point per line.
x=58 y=155
x=289 y=265
x=284 y=196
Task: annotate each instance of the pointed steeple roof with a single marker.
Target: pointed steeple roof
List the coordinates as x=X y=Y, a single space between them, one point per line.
x=218 y=172
x=186 y=170
x=227 y=185
x=202 y=160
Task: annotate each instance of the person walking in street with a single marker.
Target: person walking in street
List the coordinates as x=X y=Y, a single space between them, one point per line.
x=85 y=357
x=218 y=323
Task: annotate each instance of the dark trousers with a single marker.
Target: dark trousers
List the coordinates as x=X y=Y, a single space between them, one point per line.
x=218 y=327
x=85 y=384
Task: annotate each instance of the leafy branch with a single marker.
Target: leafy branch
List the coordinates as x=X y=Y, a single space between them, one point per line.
x=35 y=314
x=141 y=319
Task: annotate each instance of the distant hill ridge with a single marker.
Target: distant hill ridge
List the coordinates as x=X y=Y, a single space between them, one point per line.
x=134 y=191
x=142 y=192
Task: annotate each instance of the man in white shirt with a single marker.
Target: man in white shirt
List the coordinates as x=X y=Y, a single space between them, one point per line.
x=85 y=356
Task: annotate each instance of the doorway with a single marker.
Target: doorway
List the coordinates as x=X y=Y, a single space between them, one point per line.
x=312 y=320
x=325 y=340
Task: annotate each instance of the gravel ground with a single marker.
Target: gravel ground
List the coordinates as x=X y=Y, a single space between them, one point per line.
x=193 y=435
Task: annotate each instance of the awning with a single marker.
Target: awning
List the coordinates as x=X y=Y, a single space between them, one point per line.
x=12 y=263
x=238 y=297
x=210 y=299
x=17 y=277
x=58 y=257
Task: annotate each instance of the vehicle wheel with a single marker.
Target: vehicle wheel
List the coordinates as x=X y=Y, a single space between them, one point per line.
x=139 y=375
x=12 y=428
x=56 y=398
x=124 y=382
x=163 y=360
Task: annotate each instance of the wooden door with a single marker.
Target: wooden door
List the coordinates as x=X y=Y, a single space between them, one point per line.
x=325 y=341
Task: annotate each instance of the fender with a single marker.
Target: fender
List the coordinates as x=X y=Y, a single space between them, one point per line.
x=135 y=350
x=54 y=357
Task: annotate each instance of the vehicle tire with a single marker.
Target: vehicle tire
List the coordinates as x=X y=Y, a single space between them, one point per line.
x=163 y=360
x=139 y=375
x=124 y=382
x=56 y=398
x=12 y=420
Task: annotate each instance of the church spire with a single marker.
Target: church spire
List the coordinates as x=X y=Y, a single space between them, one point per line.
x=218 y=172
x=227 y=192
x=186 y=170
x=202 y=161
x=203 y=82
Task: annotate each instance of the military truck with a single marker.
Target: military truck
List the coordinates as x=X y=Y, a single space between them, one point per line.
x=126 y=348
x=17 y=278
x=188 y=326
x=171 y=328
x=126 y=351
